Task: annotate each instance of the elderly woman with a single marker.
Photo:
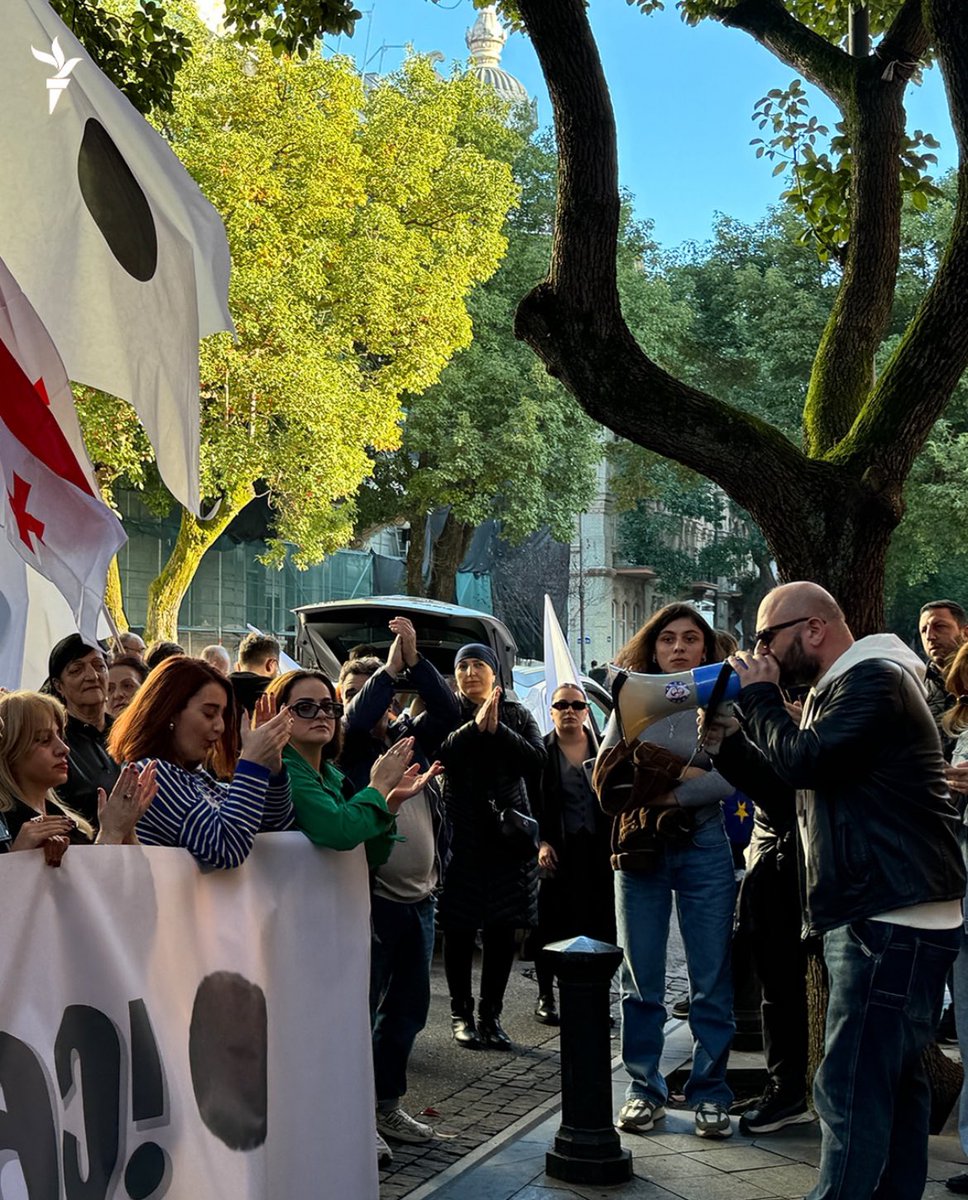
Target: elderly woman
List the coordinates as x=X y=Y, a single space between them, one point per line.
x=78 y=676
x=125 y=675
x=491 y=885
x=184 y=716
x=34 y=761
x=692 y=863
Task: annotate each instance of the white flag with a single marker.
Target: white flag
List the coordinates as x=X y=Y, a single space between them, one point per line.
x=54 y=519
x=24 y=335
x=123 y=258
x=13 y=617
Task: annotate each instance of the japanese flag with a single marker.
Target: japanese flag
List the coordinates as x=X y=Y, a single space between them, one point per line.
x=52 y=513
x=125 y=261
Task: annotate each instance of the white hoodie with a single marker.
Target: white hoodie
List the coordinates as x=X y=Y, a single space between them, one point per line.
x=878 y=645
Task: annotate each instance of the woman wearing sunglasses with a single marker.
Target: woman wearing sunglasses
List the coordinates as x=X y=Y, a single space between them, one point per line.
x=576 y=896
x=327 y=809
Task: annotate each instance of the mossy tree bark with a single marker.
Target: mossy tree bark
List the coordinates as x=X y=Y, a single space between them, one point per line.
x=827 y=510
x=113 y=598
x=195 y=537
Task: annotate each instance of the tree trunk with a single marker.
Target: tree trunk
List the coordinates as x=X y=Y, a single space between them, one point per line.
x=195 y=537
x=828 y=518
x=449 y=553
x=415 y=556
x=113 y=598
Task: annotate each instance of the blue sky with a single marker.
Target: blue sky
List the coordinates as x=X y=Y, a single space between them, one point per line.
x=683 y=98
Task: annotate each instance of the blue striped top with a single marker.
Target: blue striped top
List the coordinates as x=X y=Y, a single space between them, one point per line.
x=216 y=821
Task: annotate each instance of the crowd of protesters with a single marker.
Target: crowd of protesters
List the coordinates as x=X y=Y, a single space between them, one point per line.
x=853 y=756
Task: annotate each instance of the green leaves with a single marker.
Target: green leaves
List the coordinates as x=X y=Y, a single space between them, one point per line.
x=819 y=183
x=139 y=49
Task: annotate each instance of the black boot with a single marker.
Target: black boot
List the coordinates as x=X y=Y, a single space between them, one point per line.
x=492 y=1035
x=544 y=1011
x=462 y=1023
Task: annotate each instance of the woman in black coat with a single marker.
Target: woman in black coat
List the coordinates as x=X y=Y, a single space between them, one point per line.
x=489 y=886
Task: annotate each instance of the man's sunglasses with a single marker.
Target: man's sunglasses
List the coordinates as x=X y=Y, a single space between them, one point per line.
x=564 y=705
x=767 y=635
x=308 y=710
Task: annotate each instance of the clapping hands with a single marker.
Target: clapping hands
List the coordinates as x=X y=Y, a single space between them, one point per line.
x=130 y=798
x=488 y=713
x=264 y=737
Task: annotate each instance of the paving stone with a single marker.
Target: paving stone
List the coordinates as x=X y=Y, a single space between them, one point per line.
x=717 y=1187
x=666 y=1168
x=790 y=1181
x=734 y=1158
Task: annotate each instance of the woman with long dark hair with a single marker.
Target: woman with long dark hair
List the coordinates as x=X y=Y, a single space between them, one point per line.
x=184 y=716
x=689 y=859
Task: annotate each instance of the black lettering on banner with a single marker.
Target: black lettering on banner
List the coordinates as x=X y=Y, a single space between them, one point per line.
x=90 y=1035
x=27 y=1128
x=228 y=1054
x=148 y=1166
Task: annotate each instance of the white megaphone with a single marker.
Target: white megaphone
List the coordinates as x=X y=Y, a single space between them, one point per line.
x=641 y=700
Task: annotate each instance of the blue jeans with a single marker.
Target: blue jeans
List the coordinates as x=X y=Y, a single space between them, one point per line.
x=701 y=875
x=959 y=989
x=871 y=1092
x=402 y=947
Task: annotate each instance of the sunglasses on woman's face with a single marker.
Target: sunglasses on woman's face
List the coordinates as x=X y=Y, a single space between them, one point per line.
x=308 y=710
x=564 y=705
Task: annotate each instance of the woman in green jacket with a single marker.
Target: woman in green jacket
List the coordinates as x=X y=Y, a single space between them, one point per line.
x=327 y=810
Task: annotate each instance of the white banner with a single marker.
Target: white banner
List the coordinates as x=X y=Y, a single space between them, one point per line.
x=196 y=1034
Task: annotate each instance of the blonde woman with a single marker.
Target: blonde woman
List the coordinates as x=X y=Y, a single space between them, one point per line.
x=33 y=762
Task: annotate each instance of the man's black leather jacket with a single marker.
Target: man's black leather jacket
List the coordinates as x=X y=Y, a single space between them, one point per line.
x=876 y=823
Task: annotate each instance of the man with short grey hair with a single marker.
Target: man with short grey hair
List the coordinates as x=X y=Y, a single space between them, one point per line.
x=217 y=657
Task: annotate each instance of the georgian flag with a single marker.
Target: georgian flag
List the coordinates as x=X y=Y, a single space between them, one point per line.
x=123 y=258
x=51 y=511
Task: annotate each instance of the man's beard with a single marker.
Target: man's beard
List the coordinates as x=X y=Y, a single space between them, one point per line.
x=797 y=667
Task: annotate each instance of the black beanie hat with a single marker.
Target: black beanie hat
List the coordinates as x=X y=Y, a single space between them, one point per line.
x=478 y=650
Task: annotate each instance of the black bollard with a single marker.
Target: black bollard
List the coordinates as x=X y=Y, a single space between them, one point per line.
x=587 y=1146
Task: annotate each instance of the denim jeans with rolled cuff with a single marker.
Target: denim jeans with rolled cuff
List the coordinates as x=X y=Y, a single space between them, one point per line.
x=871 y=1091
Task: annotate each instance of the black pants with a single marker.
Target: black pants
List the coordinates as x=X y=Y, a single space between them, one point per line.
x=770 y=910
x=496 y=961
x=578 y=900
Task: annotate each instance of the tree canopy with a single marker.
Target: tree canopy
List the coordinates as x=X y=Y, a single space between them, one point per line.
x=496 y=437
x=358 y=220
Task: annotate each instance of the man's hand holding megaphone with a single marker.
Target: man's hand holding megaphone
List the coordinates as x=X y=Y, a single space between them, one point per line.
x=755 y=668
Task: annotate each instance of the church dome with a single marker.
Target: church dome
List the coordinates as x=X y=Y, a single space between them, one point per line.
x=485 y=41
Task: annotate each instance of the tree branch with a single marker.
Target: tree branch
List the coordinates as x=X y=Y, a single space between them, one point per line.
x=769 y=22
x=922 y=373
x=907 y=39
x=843 y=369
x=574 y=323
x=587 y=217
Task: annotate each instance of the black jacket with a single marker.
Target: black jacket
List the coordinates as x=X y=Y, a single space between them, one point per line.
x=90 y=767
x=549 y=810
x=487 y=885
x=875 y=820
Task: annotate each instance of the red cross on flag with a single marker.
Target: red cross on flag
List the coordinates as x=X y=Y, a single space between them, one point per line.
x=123 y=258
x=51 y=511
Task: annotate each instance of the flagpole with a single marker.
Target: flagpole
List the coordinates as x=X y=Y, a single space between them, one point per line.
x=115 y=632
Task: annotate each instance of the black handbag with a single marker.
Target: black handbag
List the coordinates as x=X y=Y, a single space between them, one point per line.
x=518 y=832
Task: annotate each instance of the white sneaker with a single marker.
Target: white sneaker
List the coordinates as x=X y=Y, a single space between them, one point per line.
x=399 y=1126
x=712 y=1121
x=384 y=1155
x=638 y=1116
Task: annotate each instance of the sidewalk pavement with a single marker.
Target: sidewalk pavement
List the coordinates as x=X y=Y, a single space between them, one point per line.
x=669 y=1164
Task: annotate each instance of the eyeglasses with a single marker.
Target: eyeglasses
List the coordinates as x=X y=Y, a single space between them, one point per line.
x=767 y=635
x=564 y=705
x=309 y=709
